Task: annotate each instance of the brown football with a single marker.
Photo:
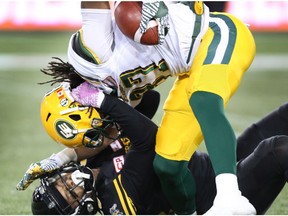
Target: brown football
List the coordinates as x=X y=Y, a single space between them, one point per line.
x=128 y=16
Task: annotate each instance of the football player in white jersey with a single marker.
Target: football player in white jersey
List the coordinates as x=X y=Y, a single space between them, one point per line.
x=208 y=53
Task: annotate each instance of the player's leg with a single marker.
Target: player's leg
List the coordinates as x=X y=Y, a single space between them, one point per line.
x=263 y=174
x=215 y=76
x=218 y=134
x=177 y=138
x=149 y=103
x=96 y=34
x=178 y=184
x=203 y=173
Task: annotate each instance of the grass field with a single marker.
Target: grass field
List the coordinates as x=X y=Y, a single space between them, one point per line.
x=24 y=141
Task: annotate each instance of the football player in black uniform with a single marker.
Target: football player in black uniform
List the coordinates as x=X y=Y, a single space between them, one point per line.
x=262 y=170
x=135 y=189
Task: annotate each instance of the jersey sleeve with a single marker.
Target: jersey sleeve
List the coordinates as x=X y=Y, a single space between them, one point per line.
x=97 y=29
x=139 y=129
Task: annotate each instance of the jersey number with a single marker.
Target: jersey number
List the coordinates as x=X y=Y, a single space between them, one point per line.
x=135 y=78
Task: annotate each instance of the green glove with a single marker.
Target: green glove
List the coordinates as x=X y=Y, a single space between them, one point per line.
x=155 y=10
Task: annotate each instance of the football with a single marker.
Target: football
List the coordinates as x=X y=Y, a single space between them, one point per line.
x=128 y=16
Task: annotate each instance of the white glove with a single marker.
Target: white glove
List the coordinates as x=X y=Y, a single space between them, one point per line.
x=228 y=200
x=88 y=95
x=155 y=10
x=38 y=169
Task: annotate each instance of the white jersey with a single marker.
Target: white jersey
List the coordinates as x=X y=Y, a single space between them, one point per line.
x=137 y=68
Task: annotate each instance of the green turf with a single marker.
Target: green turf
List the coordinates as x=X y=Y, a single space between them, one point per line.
x=24 y=140
x=271 y=42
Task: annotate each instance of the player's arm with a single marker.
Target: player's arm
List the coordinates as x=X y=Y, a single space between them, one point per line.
x=55 y=161
x=97 y=31
x=149 y=103
x=139 y=129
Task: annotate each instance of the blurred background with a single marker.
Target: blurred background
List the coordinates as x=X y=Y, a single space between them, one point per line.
x=32 y=32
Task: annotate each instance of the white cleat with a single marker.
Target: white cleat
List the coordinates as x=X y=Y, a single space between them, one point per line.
x=236 y=205
x=228 y=200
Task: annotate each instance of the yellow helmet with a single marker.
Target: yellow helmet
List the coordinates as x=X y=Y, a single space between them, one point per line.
x=69 y=123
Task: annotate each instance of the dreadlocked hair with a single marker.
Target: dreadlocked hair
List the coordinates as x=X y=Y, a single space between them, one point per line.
x=61 y=72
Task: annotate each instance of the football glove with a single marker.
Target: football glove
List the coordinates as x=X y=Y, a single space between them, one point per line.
x=37 y=170
x=88 y=95
x=155 y=10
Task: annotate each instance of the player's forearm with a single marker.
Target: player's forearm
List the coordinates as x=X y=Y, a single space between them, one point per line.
x=69 y=154
x=84 y=153
x=139 y=129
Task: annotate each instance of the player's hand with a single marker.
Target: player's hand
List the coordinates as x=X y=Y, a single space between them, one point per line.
x=36 y=170
x=155 y=10
x=88 y=95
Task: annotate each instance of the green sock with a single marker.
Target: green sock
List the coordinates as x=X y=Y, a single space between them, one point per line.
x=218 y=134
x=177 y=183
